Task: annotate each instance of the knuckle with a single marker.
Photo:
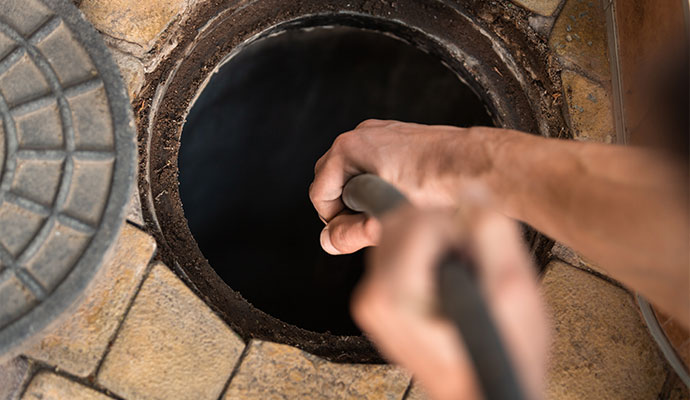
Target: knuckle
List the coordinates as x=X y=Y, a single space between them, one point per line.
x=319 y=163
x=342 y=140
x=312 y=193
x=367 y=123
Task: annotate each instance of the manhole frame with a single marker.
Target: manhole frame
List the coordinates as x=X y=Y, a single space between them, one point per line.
x=172 y=88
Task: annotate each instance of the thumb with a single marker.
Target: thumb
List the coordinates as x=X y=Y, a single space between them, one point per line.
x=347 y=233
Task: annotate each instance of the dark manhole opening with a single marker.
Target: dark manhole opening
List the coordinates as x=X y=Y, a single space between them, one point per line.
x=250 y=143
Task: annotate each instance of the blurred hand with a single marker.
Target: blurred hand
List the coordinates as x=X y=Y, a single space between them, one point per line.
x=429 y=164
x=394 y=303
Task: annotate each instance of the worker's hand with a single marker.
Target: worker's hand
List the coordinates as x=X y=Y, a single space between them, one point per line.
x=394 y=303
x=429 y=164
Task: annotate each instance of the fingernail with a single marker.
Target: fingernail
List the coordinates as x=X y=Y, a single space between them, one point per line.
x=326 y=242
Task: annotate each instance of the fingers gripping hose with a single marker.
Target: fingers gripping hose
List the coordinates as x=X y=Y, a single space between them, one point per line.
x=460 y=298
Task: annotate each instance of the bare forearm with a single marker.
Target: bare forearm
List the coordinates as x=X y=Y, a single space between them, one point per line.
x=624 y=208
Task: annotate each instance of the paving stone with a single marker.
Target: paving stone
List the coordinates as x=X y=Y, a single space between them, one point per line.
x=134 y=214
x=49 y=386
x=135 y=21
x=78 y=343
x=570 y=256
x=131 y=69
x=277 y=371
x=170 y=346
x=601 y=348
x=590 y=108
x=13 y=374
x=579 y=37
x=543 y=7
x=416 y=393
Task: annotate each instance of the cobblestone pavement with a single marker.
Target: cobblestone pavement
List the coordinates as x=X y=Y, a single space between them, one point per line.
x=140 y=333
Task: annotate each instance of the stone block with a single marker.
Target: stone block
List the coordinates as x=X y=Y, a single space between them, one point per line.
x=79 y=341
x=579 y=37
x=601 y=348
x=135 y=21
x=134 y=213
x=132 y=71
x=277 y=371
x=575 y=259
x=13 y=374
x=170 y=346
x=416 y=392
x=589 y=106
x=542 y=7
x=48 y=386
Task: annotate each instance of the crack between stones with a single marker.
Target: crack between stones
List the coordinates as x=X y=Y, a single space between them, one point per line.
x=112 y=339
x=239 y=362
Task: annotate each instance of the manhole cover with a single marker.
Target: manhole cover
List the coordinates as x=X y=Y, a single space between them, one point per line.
x=67 y=159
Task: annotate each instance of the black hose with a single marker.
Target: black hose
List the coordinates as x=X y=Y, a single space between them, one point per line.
x=461 y=300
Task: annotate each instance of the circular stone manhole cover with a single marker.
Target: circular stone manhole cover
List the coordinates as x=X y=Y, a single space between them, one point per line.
x=67 y=161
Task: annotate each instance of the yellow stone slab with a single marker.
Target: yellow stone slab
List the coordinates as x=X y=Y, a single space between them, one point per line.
x=13 y=374
x=170 y=346
x=579 y=37
x=601 y=348
x=48 y=386
x=417 y=393
x=589 y=106
x=136 y=21
x=277 y=371
x=78 y=342
x=543 y=7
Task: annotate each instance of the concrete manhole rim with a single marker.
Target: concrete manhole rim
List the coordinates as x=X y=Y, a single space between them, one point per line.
x=56 y=303
x=162 y=113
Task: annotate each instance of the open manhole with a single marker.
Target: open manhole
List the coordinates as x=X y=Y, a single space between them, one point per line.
x=67 y=162
x=234 y=119
x=251 y=141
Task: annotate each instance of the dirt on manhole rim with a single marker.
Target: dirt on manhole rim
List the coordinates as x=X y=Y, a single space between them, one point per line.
x=520 y=91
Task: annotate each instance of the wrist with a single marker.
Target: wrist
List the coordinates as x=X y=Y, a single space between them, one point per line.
x=510 y=175
x=491 y=161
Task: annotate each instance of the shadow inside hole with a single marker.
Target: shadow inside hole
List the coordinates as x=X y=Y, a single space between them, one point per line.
x=249 y=147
